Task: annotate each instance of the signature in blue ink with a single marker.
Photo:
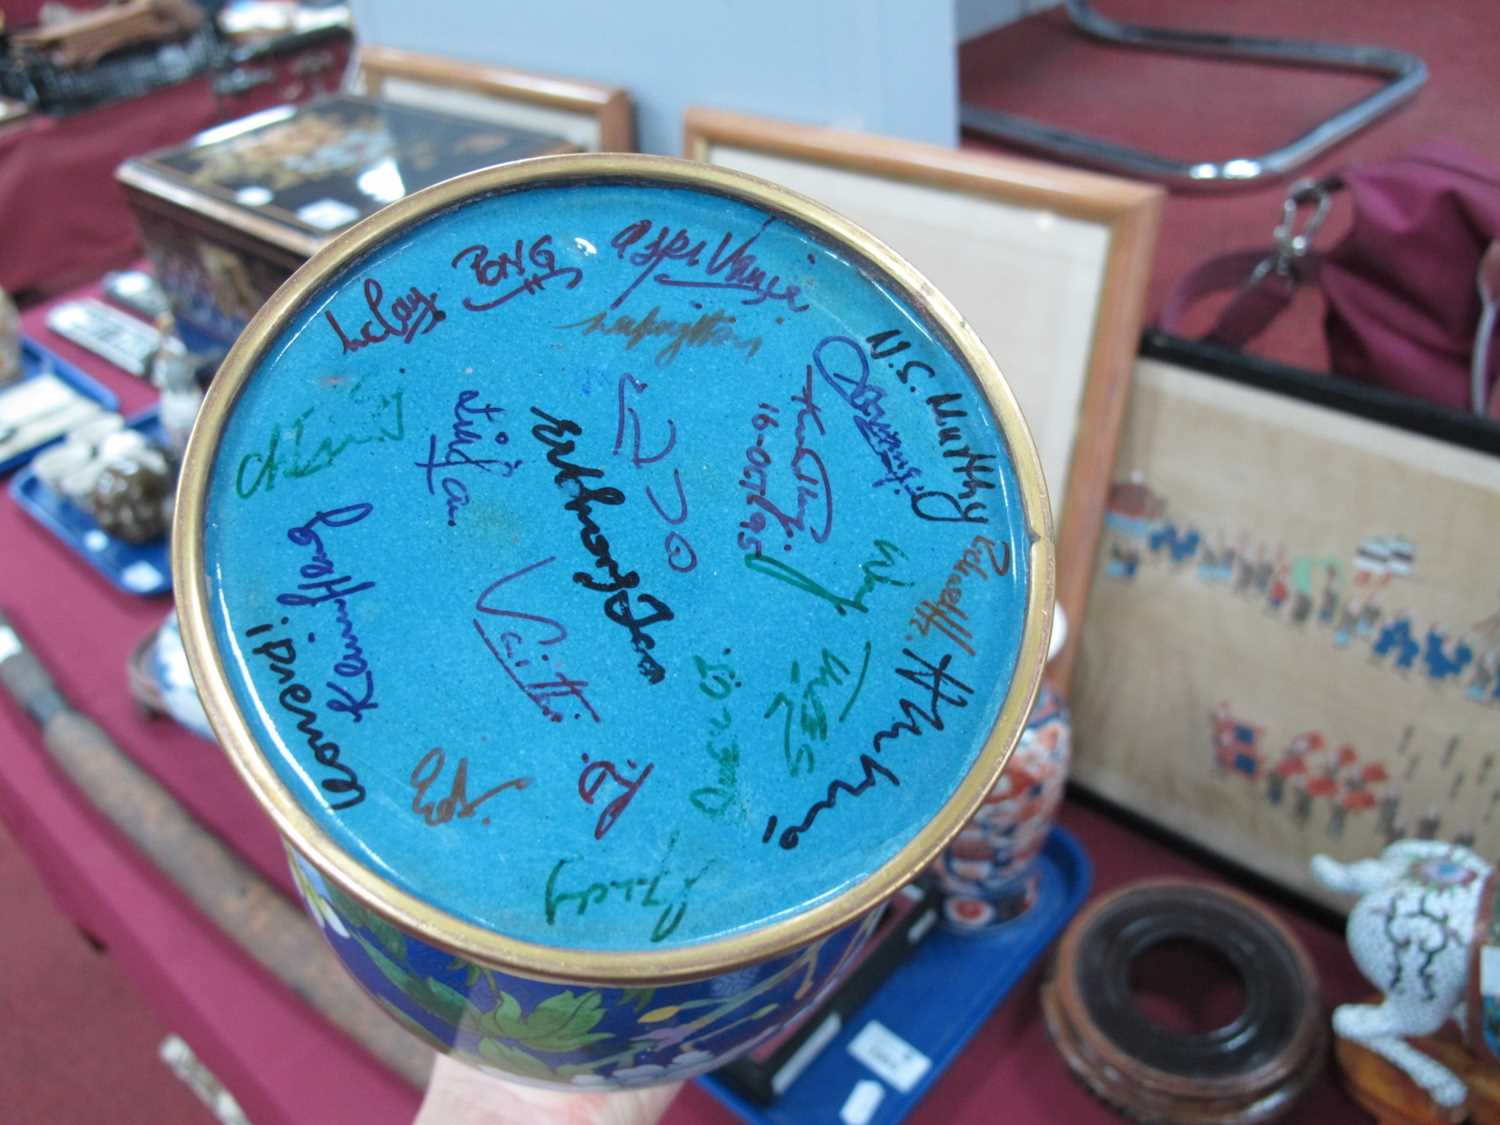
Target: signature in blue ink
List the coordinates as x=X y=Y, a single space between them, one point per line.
x=842 y=364
x=680 y=553
x=734 y=269
x=321 y=585
x=466 y=422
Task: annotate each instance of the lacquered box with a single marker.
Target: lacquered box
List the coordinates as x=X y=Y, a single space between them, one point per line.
x=230 y=214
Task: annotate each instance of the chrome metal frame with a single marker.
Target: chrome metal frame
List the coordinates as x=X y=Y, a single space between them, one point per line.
x=1405 y=73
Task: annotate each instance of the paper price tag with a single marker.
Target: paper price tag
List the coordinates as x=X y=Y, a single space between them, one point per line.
x=889 y=1056
x=862 y=1102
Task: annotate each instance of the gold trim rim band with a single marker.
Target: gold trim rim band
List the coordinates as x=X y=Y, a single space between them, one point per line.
x=432 y=924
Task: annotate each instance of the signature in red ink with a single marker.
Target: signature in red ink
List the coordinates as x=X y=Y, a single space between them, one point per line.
x=412 y=314
x=944 y=614
x=592 y=778
x=527 y=269
x=734 y=269
x=457 y=803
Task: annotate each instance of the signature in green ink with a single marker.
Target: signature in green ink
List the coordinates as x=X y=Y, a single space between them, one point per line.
x=316 y=438
x=808 y=709
x=716 y=800
x=875 y=572
x=639 y=890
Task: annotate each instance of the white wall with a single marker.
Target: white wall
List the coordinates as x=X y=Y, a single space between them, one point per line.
x=883 y=66
x=973 y=18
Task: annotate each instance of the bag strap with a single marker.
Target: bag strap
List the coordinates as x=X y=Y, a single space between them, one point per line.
x=1257 y=301
x=1265 y=280
x=1488 y=282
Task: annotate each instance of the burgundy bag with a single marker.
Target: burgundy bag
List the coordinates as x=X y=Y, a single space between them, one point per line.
x=1409 y=307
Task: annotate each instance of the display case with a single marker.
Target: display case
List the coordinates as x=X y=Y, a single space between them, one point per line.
x=229 y=215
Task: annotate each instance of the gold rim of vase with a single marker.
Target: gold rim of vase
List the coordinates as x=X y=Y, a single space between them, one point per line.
x=432 y=924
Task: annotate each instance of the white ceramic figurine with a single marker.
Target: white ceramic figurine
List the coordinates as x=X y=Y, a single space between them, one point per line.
x=1422 y=932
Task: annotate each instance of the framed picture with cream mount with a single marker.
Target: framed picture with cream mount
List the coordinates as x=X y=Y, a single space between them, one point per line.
x=1293 y=641
x=592 y=116
x=1048 y=264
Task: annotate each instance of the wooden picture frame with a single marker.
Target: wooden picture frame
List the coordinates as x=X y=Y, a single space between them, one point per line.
x=976 y=224
x=595 y=117
x=1293 y=642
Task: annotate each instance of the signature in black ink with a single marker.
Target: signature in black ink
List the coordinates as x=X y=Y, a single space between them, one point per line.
x=426 y=773
x=557 y=434
x=519 y=635
x=875 y=572
x=534 y=265
x=593 y=776
x=281 y=658
x=726 y=268
x=711 y=329
x=457 y=456
x=935 y=504
x=321 y=585
x=939 y=686
x=412 y=314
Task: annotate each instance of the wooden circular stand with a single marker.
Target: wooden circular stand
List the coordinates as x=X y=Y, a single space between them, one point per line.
x=1249 y=1070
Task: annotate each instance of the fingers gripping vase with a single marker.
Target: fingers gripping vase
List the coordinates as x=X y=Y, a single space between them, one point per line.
x=548 y=558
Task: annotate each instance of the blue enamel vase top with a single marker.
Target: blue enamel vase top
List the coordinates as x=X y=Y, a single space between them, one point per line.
x=616 y=576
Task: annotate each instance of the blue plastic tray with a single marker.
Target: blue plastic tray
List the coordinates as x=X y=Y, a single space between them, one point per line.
x=934 y=1004
x=37 y=360
x=135 y=568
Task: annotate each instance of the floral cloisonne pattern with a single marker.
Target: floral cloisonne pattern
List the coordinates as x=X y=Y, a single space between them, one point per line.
x=988 y=872
x=576 y=1035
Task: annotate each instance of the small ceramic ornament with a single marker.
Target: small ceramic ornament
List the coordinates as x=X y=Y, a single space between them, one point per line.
x=132 y=493
x=988 y=873
x=1424 y=932
x=172 y=372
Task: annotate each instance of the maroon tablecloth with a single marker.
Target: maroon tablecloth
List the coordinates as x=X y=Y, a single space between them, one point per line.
x=284 y=1063
x=63 y=219
x=1196 y=108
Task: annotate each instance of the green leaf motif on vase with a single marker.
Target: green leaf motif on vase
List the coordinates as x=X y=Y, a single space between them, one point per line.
x=563 y=1022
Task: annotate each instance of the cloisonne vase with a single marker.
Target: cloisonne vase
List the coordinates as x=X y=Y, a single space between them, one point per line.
x=988 y=873
x=548 y=557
